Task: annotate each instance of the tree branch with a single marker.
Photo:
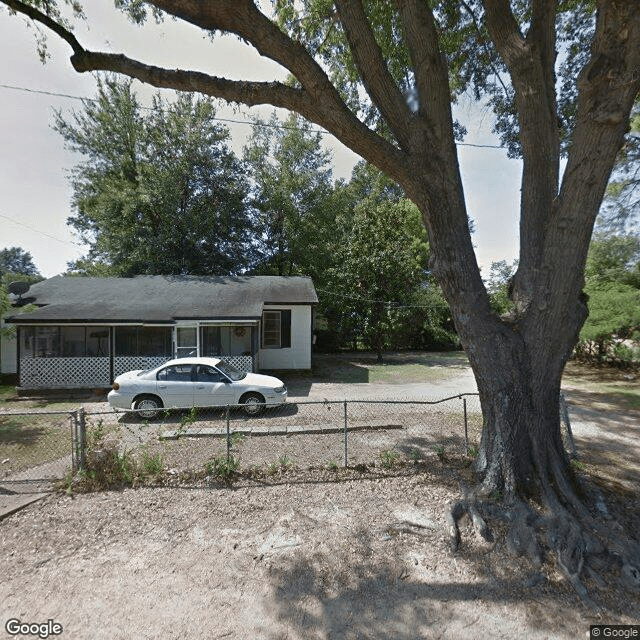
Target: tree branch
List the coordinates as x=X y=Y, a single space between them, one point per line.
x=531 y=62
x=377 y=80
x=44 y=19
x=317 y=100
x=430 y=67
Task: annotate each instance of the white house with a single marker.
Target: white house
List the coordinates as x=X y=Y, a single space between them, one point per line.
x=85 y=331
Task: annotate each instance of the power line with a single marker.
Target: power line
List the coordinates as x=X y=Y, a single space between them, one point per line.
x=387 y=303
x=225 y=120
x=48 y=235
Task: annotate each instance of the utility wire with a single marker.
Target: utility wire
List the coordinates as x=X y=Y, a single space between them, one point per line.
x=225 y=120
x=390 y=304
x=48 y=235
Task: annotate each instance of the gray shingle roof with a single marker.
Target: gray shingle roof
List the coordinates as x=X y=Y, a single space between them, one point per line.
x=161 y=298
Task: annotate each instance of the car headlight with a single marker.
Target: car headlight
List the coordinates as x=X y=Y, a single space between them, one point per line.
x=115 y=386
x=281 y=389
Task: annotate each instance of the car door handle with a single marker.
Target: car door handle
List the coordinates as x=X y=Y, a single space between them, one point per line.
x=162 y=386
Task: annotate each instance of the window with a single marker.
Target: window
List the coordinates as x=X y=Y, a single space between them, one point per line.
x=276 y=329
x=176 y=373
x=143 y=341
x=208 y=374
x=64 y=342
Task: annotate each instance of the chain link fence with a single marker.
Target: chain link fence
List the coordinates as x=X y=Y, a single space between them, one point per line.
x=36 y=448
x=40 y=445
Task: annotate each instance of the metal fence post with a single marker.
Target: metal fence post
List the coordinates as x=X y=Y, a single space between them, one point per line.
x=82 y=438
x=228 y=436
x=345 y=435
x=74 y=441
x=466 y=427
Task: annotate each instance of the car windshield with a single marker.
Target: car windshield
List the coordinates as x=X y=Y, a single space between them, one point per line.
x=230 y=371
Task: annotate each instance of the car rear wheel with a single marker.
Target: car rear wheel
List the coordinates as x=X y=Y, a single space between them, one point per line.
x=147 y=406
x=253 y=404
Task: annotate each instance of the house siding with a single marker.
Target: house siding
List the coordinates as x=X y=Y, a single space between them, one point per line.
x=8 y=354
x=298 y=356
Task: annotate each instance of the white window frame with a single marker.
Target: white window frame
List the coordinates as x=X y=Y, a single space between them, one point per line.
x=274 y=344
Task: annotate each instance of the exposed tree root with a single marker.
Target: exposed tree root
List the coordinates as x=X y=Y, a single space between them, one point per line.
x=583 y=544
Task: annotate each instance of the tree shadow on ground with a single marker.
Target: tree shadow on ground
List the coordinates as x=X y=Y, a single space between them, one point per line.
x=382 y=603
x=358 y=588
x=363 y=590
x=16 y=431
x=209 y=416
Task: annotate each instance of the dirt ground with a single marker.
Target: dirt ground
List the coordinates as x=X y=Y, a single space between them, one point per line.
x=304 y=554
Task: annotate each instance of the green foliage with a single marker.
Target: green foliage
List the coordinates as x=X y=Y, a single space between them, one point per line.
x=379 y=265
x=285 y=462
x=223 y=467
x=237 y=438
x=17 y=264
x=292 y=194
x=614 y=258
x=389 y=458
x=107 y=466
x=614 y=314
x=498 y=285
x=613 y=288
x=158 y=191
x=153 y=465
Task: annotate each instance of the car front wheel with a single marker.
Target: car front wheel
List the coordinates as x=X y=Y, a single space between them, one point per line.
x=147 y=406
x=253 y=404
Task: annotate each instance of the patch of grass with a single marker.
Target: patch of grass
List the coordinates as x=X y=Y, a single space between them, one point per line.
x=397 y=368
x=222 y=467
x=439 y=450
x=388 y=458
x=285 y=462
x=630 y=398
x=31 y=440
x=237 y=439
x=109 y=467
x=152 y=465
x=615 y=386
x=578 y=465
x=6 y=391
x=272 y=469
x=332 y=466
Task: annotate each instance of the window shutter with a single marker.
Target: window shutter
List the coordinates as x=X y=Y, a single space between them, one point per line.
x=285 y=328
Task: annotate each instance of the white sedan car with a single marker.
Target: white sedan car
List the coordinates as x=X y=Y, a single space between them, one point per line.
x=195 y=382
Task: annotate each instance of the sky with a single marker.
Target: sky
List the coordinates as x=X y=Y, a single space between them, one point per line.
x=35 y=193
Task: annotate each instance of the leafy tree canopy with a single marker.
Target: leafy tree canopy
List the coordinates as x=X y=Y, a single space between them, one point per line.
x=292 y=193
x=158 y=191
x=17 y=264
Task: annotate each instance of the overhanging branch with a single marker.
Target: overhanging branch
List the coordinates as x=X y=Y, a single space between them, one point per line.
x=249 y=93
x=47 y=21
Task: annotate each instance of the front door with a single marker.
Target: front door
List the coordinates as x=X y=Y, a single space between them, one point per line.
x=212 y=389
x=186 y=342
